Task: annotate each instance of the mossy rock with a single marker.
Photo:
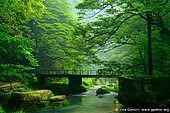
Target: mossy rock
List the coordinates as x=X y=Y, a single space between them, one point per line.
x=57 y=98
x=145 y=92
x=58 y=101
x=30 y=100
x=38 y=95
x=102 y=91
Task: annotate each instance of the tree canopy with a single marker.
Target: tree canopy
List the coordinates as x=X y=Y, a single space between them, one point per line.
x=16 y=51
x=56 y=36
x=128 y=36
x=129 y=22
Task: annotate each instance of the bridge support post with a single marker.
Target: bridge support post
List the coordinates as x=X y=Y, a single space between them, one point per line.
x=75 y=82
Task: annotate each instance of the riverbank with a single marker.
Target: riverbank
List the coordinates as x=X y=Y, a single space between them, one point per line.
x=19 y=96
x=16 y=97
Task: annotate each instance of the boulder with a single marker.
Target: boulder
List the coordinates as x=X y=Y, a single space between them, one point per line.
x=58 y=101
x=7 y=87
x=30 y=100
x=39 y=95
x=143 y=92
x=102 y=91
x=57 y=98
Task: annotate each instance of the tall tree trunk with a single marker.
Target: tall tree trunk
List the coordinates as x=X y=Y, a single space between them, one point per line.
x=150 y=63
x=143 y=62
x=162 y=52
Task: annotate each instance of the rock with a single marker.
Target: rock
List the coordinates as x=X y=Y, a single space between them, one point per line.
x=58 y=101
x=30 y=100
x=39 y=95
x=101 y=91
x=13 y=87
x=143 y=92
x=7 y=87
x=15 y=84
x=57 y=98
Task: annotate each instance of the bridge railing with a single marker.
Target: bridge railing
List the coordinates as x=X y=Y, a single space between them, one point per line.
x=68 y=72
x=77 y=72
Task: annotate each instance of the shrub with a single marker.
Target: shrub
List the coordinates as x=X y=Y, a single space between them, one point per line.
x=58 y=88
x=1 y=109
x=116 y=88
x=87 y=83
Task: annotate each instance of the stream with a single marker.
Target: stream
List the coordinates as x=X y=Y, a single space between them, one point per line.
x=88 y=102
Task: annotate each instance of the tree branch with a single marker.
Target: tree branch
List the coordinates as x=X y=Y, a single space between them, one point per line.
x=165 y=13
x=114 y=30
x=94 y=14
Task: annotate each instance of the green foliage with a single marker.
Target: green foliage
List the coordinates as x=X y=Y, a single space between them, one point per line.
x=16 y=59
x=62 y=104
x=20 y=110
x=56 y=38
x=122 y=25
x=1 y=109
x=65 y=103
x=114 y=68
x=87 y=83
x=10 y=70
x=63 y=80
x=16 y=49
x=16 y=13
x=116 y=88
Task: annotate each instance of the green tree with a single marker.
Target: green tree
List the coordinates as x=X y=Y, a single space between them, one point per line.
x=16 y=13
x=16 y=58
x=58 y=41
x=112 y=15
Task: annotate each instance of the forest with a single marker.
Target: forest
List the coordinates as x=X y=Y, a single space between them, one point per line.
x=127 y=37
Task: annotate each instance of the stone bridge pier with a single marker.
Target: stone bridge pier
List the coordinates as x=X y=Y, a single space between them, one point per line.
x=75 y=81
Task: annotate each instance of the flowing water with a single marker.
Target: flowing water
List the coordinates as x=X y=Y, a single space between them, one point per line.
x=88 y=102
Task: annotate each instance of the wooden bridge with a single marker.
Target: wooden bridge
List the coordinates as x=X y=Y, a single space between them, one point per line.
x=75 y=76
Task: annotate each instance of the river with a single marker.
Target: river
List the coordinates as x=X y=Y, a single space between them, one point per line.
x=88 y=102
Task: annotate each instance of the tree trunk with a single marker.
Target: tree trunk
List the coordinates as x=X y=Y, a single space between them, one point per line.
x=150 y=63
x=143 y=62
